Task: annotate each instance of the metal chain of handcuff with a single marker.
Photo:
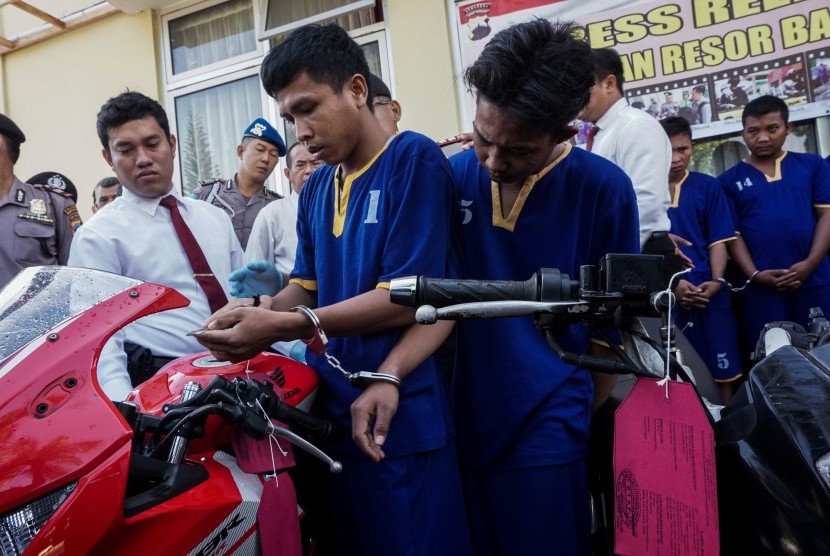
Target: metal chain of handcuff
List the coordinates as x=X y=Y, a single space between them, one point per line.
x=726 y=283
x=318 y=345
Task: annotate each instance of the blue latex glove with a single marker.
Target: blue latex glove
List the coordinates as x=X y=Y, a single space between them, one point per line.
x=255 y=278
x=298 y=352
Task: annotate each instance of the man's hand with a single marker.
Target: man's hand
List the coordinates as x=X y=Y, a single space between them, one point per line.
x=255 y=278
x=466 y=141
x=372 y=413
x=796 y=276
x=264 y=301
x=243 y=332
x=678 y=241
x=773 y=278
x=709 y=288
x=690 y=296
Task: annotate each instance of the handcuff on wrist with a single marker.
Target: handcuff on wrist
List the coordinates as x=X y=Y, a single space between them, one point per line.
x=726 y=283
x=318 y=345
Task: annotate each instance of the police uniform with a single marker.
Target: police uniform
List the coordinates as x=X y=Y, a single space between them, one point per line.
x=243 y=210
x=56 y=180
x=39 y=223
x=225 y=194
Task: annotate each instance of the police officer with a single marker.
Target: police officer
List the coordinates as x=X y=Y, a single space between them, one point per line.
x=243 y=196
x=38 y=220
x=56 y=180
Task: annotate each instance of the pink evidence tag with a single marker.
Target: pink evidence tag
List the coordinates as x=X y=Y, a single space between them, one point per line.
x=254 y=456
x=278 y=518
x=665 y=499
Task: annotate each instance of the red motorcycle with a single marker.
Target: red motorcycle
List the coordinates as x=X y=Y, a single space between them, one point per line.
x=194 y=462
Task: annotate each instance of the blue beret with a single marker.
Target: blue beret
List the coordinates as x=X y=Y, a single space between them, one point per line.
x=260 y=129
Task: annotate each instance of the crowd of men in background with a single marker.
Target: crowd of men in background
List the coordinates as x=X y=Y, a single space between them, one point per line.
x=369 y=203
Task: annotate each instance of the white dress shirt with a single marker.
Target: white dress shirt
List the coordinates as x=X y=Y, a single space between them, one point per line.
x=274 y=235
x=134 y=236
x=637 y=143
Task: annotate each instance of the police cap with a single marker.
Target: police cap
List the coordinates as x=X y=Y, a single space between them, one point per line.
x=10 y=129
x=55 y=180
x=261 y=129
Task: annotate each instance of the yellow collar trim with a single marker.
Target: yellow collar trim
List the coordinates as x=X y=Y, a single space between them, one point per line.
x=676 y=199
x=777 y=175
x=509 y=223
x=341 y=195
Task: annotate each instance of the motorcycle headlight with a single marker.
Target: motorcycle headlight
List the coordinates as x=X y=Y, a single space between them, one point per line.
x=823 y=468
x=19 y=526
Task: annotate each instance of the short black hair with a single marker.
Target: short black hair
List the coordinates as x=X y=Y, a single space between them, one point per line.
x=676 y=125
x=537 y=72
x=289 y=157
x=764 y=105
x=105 y=183
x=325 y=52
x=699 y=89
x=607 y=62
x=127 y=107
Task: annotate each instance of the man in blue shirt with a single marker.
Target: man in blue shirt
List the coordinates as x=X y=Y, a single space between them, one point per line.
x=781 y=205
x=380 y=208
x=527 y=200
x=699 y=213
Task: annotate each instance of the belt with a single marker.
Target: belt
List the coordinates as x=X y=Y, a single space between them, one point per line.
x=157 y=362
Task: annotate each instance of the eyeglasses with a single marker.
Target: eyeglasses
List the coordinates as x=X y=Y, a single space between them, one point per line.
x=381 y=101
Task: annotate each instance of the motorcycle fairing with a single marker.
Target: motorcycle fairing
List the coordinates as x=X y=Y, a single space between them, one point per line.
x=768 y=440
x=42 y=445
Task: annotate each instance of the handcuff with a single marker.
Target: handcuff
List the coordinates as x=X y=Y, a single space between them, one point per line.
x=726 y=283
x=318 y=345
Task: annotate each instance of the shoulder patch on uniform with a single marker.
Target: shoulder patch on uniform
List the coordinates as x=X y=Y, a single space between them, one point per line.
x=71 y=212
x=54 y=190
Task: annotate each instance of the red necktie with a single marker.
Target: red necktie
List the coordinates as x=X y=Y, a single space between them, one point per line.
x=591 y=132
x=201 y=269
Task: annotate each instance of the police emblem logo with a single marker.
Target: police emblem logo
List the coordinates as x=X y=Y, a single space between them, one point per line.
x=56 y=182
x=37 y=207
x=20 y=196
x=257 y=129
x=478 y=20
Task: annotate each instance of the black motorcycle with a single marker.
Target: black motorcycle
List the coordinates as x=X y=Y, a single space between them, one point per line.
x=771 y=444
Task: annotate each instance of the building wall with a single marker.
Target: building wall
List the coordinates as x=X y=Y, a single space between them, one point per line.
x=54 y=89
x=422 y=66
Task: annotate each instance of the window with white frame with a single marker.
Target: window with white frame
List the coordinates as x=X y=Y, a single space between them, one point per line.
x=212 y=53
x=210 y=122
x=212 y=35
x=283 y=16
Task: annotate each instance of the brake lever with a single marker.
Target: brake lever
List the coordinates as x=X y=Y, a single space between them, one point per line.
x=427 y=314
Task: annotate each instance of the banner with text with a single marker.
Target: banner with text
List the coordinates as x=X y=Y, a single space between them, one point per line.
x=681 y=55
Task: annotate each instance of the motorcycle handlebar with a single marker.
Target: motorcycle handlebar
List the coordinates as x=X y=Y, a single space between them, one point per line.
x=548 y=285
x=245 y=395
x=301 y=421
x=632 y=283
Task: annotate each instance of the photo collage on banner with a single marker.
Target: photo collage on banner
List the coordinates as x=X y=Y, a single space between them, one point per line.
x=703 y=61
